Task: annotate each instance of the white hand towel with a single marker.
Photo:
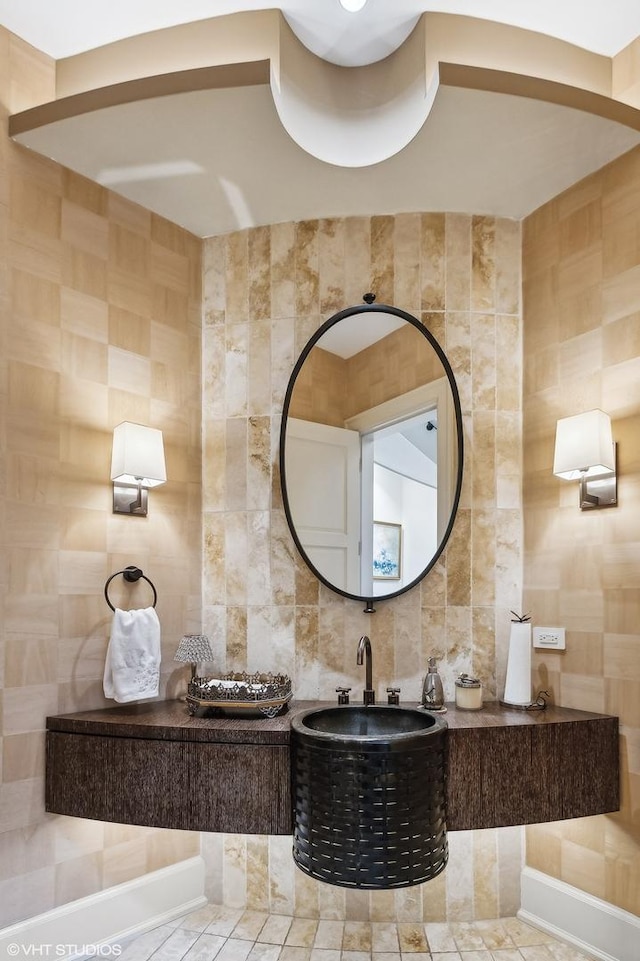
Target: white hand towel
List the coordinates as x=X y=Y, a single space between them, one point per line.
x=132 y=665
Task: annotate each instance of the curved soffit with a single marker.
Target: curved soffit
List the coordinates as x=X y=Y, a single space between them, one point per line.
x=345 y=117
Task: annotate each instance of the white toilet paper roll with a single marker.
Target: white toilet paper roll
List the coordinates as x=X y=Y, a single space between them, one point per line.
x=517 y=688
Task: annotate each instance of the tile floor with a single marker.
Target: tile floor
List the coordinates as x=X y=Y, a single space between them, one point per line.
x=223 y=934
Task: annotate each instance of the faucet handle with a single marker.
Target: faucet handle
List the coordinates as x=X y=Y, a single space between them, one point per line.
x=393 y=695
x=343 y=694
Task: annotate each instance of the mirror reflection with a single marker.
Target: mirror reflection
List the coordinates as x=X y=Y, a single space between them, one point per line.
x=371 y=453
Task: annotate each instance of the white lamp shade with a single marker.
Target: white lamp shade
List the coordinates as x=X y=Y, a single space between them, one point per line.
x=195 y=648
x=138 y=455
x=584 y=446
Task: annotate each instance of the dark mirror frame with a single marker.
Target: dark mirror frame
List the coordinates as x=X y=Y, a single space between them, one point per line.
x=331 y=322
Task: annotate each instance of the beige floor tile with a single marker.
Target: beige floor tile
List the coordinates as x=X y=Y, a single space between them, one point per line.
x=412 y=938
x=235 y=950
x=206 y=948
x=439 y=938
x=275 y=929
x=140 y=949
x=357 y=936
x=199 y=920
x=564 y=952
x=506 y=939
x=466 y=936
x=264 y=952
x=250 y=925
x=302 y=933
x=324 y=954
x=292 y=953
x=494 y=934
x=524 y=934
x=384 y=936
x=223 y=921
x=537 y=952
x=329 y=935
x=176 y=946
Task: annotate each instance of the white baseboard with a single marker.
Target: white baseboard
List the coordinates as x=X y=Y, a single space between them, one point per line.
x=594 y=927
x=110 y=915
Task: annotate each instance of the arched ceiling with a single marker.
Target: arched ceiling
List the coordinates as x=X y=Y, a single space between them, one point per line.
x=232 y=123
x=68 y=27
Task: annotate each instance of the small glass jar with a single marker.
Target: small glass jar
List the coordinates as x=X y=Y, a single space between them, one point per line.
x=468 y=693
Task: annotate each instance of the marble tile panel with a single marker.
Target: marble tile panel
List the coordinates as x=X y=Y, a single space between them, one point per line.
x=307 y=295
x=358 y=272
x=382 y=262
x=236 y=371
x=407 y=293
x=331 y=265
x=483 y=267
x=432 y=243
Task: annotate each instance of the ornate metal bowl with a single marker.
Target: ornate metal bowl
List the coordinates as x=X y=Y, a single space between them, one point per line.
x=257 y=694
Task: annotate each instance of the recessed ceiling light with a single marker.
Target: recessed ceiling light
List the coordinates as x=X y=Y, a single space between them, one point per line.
x=352 y=6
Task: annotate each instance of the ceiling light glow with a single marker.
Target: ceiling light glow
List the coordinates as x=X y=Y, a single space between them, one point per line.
x=352 y=6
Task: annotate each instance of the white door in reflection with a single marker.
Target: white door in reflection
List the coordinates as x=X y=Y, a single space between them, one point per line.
x=323 y=478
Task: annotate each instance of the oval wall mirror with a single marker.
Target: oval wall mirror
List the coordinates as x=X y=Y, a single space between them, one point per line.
x=371 y=452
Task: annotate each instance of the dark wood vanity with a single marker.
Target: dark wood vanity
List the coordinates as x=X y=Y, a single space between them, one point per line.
x=154 y=764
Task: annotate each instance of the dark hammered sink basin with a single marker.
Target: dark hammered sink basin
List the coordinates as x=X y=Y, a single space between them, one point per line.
x=385 y=725
x=369 y=795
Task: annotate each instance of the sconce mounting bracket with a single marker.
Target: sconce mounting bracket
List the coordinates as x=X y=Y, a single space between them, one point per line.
x=601 y=490
x=130 y=499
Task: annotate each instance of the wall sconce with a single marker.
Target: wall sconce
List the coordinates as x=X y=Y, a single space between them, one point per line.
x=585 y=451
x=137 y=463
x=195 y=649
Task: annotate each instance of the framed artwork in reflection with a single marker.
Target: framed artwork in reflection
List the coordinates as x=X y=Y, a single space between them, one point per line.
x=387 y=551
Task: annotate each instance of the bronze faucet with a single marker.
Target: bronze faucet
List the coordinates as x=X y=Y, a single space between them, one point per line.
x=364 y=648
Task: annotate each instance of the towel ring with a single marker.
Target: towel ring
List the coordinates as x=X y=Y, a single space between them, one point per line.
x=131 y=574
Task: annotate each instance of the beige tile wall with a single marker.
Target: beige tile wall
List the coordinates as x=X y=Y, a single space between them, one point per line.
x=100 y=321
x=265 y=291
x=581 y=302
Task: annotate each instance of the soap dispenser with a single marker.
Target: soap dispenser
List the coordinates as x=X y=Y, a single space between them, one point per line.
x=432 y=692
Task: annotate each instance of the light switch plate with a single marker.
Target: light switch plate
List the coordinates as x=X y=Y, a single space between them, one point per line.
x=551 y=638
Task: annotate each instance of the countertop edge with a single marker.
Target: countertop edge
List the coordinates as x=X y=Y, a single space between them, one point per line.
x=170 y=720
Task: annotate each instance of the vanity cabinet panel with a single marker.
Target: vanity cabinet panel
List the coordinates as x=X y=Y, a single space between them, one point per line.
x=501 y=776
x=154 y=764
x=189 y=785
